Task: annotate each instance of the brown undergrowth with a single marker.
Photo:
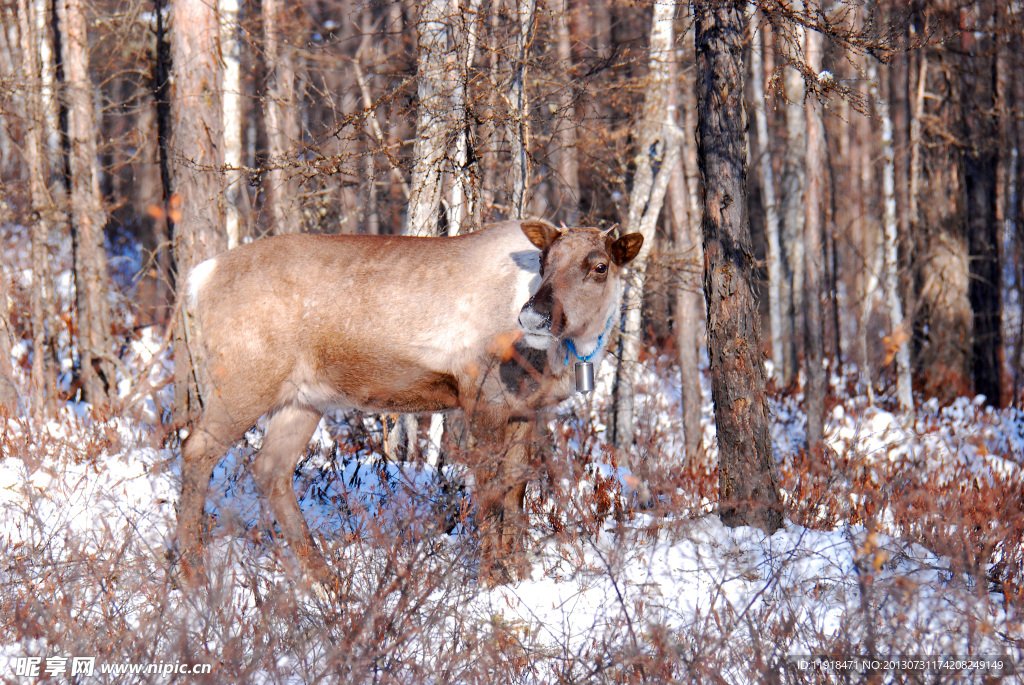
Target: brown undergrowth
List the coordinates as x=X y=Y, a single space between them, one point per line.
x=670 y=595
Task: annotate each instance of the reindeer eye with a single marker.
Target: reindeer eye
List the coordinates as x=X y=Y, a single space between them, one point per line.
x=601 y=268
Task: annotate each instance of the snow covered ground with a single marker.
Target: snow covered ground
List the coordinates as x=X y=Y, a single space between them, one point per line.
x=618 y=591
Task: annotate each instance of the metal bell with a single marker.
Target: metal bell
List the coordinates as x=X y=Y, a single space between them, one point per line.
x=584 y=377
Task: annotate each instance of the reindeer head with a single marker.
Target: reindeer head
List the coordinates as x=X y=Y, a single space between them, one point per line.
x=581 y=285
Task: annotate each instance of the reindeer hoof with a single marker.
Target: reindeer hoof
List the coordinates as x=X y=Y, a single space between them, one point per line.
x=511 y=569
x=186 y=570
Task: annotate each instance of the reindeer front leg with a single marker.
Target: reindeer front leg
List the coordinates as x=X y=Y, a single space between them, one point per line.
x=501 y=471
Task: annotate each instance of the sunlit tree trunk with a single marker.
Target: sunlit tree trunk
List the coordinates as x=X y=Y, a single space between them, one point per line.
x=198 y=137
x=657 y=158
x=772 y=215
x=88 y=217
x=231 y=49
x=814 y=344
x=748 y=476
x=35 y=158
x=281 y=117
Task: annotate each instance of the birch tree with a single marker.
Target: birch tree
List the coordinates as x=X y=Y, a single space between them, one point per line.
x=772 y=215
x=88 y=217
x=898 y=344
x=657 y=158
x=748 y=477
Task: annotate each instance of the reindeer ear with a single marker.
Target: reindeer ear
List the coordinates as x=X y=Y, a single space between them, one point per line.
x=540 y=233
x=626 y=248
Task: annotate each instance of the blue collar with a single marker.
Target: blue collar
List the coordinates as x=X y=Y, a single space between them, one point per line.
x=570 y=346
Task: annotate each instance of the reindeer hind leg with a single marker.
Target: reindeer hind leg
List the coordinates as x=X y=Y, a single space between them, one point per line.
x=288 y=432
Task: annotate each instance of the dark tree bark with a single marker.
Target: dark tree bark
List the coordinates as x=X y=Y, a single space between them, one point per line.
x=748 y=477
x=164 y=226
x=979 y=162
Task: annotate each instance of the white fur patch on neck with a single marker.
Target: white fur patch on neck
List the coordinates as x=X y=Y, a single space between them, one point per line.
x=197 y=279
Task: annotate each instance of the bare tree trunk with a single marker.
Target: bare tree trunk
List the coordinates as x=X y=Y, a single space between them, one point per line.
x=659 y=153
x=431 y=120
x=772 y=215
x=464 y=190
x=518 y=126
x=565 y=126
x=814 y=345
x=686 y=232
x=35 y=160
x=281 y=115
x=47 y=76
x=899 y=340
x=748 y=475
x=872 y=258
x=87 y=214
x=793 y=215
x=231 y=49
x=198 y=136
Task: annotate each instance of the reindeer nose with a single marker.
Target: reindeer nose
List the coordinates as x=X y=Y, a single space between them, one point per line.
x=543 y=301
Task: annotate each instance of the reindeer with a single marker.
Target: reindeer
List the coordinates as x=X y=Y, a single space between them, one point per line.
x=486 y=322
